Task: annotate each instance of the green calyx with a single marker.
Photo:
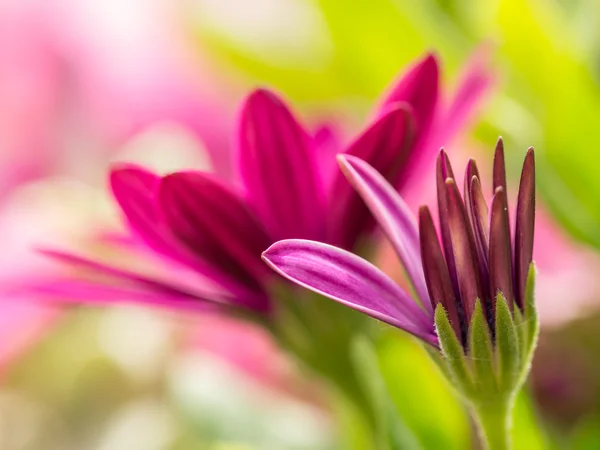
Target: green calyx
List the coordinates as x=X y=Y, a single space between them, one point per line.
x=489 y=368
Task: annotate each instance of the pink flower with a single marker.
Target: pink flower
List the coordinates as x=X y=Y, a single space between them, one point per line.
x=217 y=231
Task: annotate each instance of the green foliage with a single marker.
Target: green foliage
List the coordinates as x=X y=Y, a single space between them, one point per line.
x=392 y=432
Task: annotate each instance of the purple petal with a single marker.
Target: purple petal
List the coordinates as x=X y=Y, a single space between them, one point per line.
x=350 y=280
x=525 y=224
x=463 y=250
x=215 y=225
x=94 y=293
x=439 y=284
x=499 y=168
x=134 y=188
x=472 y=173
x=480 y=219
x=383 y=146
x=470 y=93
x=444 y=172
x=328 y=144
x=393 y=216
x=500 y=252
x=419 y=88
x=109 y=284
x=279 y=169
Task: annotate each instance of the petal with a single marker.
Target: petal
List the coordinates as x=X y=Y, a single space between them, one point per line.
x=419 y=88
x=500 y=252
x=480 y=212
x=124 y=278
x=525 y=224
x=350 y=280
x=439 y=284
x=94 y=293
x=393 y=216
x=472 y=173
x=469 y=94
x=499 y=168
x=444 y=172
x=215 y=225
x=135 y=190
x=383 y=146
x=463 y=250
x=279 y=169
x=328 y=143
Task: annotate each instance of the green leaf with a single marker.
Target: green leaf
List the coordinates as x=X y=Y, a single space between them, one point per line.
x=453 y=352
x=507 y=346
x=480 y=352
x=393 y=434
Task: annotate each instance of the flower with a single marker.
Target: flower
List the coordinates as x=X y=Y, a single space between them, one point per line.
x=473 y=280
x=215 y=231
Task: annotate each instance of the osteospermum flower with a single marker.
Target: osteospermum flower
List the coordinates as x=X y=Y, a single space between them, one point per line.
x=473 y=293
x=217 y=230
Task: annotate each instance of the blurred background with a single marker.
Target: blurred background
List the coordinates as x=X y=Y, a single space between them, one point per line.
x=84 y=83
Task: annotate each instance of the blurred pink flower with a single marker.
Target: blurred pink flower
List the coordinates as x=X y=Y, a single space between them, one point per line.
x=219 y=231
x=77 y=80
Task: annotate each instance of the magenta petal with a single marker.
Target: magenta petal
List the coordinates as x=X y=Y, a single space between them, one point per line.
x=279 y=168
x=419 y=87
x=124 y=278
x=350 y=280
x=134 y=188
x=93 y=293
x=393 y=216
x=384 y=146
x=471 y=91
x=328 y=144
x=215 y=225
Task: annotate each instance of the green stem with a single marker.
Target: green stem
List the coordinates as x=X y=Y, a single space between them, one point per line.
x=494 y=421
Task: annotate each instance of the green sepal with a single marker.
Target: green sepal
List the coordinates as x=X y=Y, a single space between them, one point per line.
x=392 y=432
x=531 y=318
x=481 y=353
x=454 y=355
x=528 y=324
x=507 y=347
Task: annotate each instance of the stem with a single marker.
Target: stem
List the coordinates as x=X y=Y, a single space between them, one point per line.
x=494 y=422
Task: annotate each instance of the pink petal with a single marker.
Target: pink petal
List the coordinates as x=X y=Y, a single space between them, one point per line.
x=383 y=146
x=215 y=225
x=393 y=216
x=279 y=169
x=350 y=280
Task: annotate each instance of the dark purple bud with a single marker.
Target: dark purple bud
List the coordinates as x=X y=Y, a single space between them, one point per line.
x=463 y=246
x=525 y=225
x=500 y=251
x=443 y=172
x=436 y=272
x=499 y=167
